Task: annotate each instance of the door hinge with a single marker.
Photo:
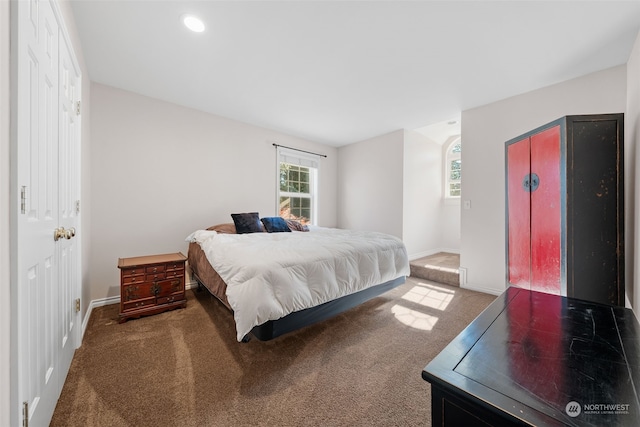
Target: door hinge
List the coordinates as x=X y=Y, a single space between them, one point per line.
x=78 y=108
x=25 y=414
x=77 y=207
x=77 y=305
x=23 y=199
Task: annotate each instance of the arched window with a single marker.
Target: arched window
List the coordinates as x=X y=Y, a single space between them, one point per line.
x=453 y=168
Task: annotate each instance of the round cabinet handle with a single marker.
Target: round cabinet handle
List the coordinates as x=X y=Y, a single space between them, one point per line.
x=530 y=182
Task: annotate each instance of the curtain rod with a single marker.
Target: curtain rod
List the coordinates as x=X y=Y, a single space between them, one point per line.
x=297 y=149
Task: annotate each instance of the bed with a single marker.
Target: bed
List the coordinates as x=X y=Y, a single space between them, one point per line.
x=277 y=282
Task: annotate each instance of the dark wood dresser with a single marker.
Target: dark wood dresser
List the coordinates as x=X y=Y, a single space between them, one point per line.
x=151 y=284
x=533 y=358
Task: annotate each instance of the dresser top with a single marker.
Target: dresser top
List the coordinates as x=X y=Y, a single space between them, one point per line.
x=150 y=259
x=533 y=355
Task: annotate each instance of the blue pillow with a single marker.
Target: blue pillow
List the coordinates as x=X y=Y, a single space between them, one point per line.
x=247 y=222
x=275 y=224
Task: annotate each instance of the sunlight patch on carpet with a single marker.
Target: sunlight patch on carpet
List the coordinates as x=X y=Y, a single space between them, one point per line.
x=413 y=318
x=430 y=296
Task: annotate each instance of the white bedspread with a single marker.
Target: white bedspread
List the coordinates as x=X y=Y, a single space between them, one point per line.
x=270 y=275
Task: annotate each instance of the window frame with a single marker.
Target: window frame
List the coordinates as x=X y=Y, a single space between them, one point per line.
x=448 y=158
x=304 y=160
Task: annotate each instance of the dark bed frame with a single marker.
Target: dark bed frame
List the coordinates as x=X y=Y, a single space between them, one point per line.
x=299 y=319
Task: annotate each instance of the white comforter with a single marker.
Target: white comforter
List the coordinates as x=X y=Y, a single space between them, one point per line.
x=270 y=275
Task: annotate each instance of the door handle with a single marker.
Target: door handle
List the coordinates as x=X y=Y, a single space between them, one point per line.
x=60 y=233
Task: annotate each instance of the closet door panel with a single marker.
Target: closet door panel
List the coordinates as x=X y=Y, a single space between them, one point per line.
x=595 y=258
x=546 y=212
x=518 y=211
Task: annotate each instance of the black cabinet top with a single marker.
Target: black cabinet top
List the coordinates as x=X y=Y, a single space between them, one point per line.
x=546 y=360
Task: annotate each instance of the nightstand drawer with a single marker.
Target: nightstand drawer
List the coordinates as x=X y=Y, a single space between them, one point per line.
x=132 y=271
x=174 y=273
x=138 y=304
x=133 y=279
x=154 y=277
x=175 y=266
x=171 y=298
x=155 y=268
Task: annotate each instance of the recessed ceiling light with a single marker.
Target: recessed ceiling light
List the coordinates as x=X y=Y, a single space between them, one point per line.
x=193 y=23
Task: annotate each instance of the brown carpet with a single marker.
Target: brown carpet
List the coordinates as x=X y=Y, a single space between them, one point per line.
x=185 y=368
x=442 y=267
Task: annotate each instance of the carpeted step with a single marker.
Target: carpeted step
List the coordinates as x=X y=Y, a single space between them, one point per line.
x=442 y=267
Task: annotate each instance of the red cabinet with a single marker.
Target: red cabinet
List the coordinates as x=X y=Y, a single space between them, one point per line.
x=565 y=210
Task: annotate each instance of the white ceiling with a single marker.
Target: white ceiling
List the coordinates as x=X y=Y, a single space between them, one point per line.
x=338 y=72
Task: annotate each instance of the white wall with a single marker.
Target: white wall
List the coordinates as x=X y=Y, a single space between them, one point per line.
x=392 y=183
x=632 y=179
x=485 y=130
x=423 y=204
x=5 y=278
x=370 y=177
x=160 y=171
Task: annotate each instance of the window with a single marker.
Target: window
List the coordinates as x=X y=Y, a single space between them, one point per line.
x=297 y=184
x=453 y=181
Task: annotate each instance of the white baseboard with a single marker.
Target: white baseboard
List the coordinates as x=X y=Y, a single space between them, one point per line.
x=482 y=289
x=97 y=303
x=451 y=251
x=431 y=252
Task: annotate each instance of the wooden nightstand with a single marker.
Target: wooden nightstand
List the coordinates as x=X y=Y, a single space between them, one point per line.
x=151 y=284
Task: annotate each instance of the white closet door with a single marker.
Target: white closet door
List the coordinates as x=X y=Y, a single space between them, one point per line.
x=68 y=201
x=45 y=141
